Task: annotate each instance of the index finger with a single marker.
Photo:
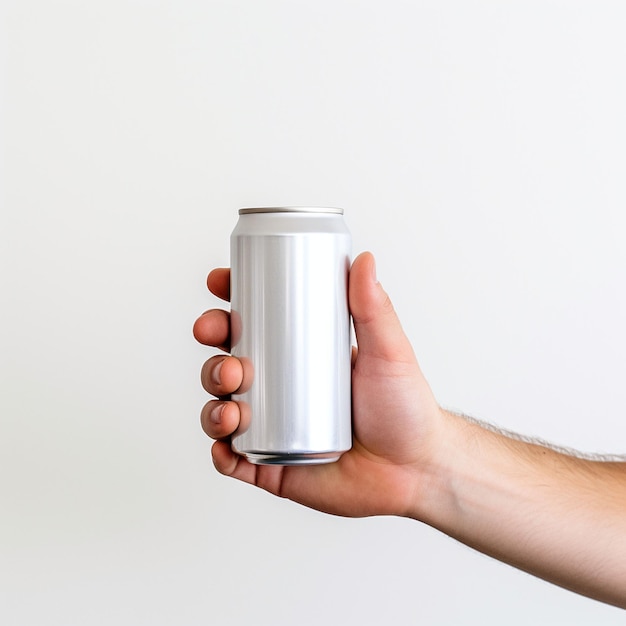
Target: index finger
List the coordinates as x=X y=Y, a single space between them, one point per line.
x=218 y=282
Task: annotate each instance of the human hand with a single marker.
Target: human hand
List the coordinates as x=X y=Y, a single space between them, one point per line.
x=396 y=419
x=501 y=495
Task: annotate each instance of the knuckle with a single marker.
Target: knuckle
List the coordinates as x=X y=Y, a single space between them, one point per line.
x=387 y=304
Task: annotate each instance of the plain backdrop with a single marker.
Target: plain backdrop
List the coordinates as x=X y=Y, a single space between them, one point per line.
x=478 y=149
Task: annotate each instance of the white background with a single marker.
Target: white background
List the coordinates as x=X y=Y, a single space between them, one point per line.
x=478 y=149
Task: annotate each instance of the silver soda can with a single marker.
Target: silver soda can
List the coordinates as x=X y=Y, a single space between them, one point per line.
x=290 y=326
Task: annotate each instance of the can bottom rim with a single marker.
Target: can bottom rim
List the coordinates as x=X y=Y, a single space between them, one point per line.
x=279 y=458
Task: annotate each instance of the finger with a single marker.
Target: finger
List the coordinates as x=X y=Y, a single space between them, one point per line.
x=218 y=282
x=378 y=330
x=229 y=463
x=222 y=375
x=302 y=484
x=213 y=329
x=219 y=418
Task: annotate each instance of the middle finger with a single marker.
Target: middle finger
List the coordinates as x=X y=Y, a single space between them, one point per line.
x=222 y=375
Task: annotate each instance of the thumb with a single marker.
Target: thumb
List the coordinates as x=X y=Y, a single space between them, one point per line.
x=378 y=330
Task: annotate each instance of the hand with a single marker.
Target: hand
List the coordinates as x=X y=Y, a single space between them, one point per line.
x=503 y=496
x=396 y=419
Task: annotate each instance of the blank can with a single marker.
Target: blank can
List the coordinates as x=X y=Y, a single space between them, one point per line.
x=290 y=327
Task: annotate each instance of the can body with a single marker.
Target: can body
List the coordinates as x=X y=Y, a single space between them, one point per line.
x=290 y=326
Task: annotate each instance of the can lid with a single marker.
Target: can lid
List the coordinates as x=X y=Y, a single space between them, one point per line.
x=291 y=209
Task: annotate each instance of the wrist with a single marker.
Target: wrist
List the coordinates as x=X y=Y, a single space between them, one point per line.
x=439 y=469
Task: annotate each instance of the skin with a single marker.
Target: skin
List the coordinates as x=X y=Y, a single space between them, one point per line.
x=554 y=515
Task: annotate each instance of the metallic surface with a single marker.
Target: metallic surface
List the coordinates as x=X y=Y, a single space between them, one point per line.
x=290 y=209
x=291 y=329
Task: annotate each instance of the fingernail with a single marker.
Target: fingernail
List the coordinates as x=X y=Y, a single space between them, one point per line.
x=216 y=414
x=374 y=278
x=215 y=374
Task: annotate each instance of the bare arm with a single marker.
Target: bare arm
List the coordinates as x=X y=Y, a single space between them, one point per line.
x=557 y=516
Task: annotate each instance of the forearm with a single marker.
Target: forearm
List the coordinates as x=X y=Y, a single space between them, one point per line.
x=554 y=515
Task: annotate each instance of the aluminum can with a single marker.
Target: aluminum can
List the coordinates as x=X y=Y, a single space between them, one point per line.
x=290 y=327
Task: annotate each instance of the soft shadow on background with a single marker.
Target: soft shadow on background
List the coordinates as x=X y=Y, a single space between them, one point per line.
x=477 y=149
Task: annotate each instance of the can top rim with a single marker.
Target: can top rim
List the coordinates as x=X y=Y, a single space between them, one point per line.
x=291 y=209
